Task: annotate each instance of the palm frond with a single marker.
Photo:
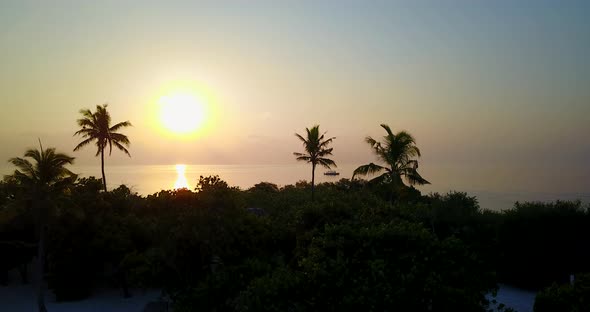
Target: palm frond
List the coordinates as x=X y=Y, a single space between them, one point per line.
x=383 y=178
x=45 y=172
x=367 y=169
x=120 y=125
x=110 y=145
x=120 y=138
x=302 y=157
x=316 y=148
x=301 y=138
x=99 y=148
x=375 y=145
x=371 y=141
x=35 y=154
x=86 y=122
x=387 y=129
x=413 y=164
x=96 y=126
x=324 y=152
x=397 y=151
x=323 y=143
x=83 y=143
x=122 y=148
x=414 y=178
x=87 y=132
x=86 y=113
x=404 y=136
x=103 y=113
x=413 y=151
x=22 y=178
x=328 y=163
x=24 y=165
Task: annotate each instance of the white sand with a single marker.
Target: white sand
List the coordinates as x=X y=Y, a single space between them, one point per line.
x=518 y=299
x=20 y=298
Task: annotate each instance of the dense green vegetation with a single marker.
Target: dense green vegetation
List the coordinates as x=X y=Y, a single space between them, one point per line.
x=565 y=297
x=273 y=249
x=39 y=183
x=356 y=245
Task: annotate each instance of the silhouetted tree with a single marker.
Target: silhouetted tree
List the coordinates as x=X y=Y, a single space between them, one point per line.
x=42 y=179
x=316 y=150
x=397 y=152
x=97 y=127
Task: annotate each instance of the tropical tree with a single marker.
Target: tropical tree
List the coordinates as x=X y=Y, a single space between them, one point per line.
x=97 y=127
x=316 y=150
x=42 y=180
x=397 y=152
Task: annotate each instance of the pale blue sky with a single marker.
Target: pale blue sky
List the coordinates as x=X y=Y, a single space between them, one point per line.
x=479 y=83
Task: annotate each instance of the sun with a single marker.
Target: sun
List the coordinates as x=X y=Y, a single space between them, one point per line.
x=184 y=109
x=182 y=113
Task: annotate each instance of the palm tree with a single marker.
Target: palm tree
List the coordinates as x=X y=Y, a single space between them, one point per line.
x=42 y=180
x=396 y=151
x=97 y=127
x=316 y=148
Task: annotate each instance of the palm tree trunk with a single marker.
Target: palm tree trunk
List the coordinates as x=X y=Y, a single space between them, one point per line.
x=104 y=180
x=312 y=181
x=391 y=195
x=396 y=184
x=41 y=267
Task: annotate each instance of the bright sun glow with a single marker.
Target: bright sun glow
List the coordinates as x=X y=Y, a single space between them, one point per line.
x=181 y=181
x=182 y=113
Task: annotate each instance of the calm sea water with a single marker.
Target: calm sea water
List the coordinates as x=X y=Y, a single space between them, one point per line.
x=494 y=188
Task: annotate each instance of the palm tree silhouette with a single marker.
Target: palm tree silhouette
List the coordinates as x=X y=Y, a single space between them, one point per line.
x=316 y=148
x=97 y=127
x=42 y=180
x=396 y=151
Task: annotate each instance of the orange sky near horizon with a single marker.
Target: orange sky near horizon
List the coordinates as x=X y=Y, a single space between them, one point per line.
x=479 y=84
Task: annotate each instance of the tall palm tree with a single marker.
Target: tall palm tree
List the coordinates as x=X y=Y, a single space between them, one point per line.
x=42 y=180
x=316 y=150
x=97 y=127
x=397 y=152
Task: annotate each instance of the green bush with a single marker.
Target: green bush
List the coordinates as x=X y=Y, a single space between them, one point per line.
x=543 y=243
x=72 y=265
x=396 y=265
x=565 y=297
x=350 y=249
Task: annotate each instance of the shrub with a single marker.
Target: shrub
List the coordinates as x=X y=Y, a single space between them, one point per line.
x=565 y=297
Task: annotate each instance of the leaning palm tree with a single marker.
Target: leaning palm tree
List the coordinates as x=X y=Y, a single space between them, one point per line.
x=42 y=180
x=316 y=148
x=97 y=127
x=397 y=152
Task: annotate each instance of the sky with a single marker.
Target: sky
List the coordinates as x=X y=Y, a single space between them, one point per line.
x=499 y=85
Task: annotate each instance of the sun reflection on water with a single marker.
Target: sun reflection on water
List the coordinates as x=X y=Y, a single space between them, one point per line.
x=181 y=181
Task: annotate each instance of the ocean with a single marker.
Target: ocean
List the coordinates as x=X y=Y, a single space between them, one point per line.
x=495 y=189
